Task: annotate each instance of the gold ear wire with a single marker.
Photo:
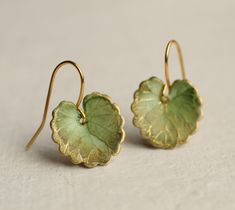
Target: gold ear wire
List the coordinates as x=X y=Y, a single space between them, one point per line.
x=30 y=143
x=167 y=52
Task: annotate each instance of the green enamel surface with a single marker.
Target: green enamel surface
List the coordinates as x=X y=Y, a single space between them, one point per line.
x=166 y=124
x=94 y=142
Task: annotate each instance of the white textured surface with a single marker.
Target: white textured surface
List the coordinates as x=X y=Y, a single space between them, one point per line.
x=118 y=44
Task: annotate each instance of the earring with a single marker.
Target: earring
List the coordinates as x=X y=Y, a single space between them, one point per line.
x=89 y=136
x=167 y=114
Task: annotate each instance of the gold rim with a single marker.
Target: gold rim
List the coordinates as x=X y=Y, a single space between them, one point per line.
x=146 y=136
x=122 y=132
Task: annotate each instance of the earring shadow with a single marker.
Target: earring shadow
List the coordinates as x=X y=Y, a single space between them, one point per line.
x=53 y=155
x=134 y=138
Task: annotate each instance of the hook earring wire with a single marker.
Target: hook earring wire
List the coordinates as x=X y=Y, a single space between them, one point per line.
x=31 y=142
x=167 y=52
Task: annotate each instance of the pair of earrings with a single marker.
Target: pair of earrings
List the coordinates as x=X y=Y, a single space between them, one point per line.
x=167 y=114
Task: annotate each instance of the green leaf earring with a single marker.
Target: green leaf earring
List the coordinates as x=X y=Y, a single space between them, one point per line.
x=90 y=135
x=167 y=114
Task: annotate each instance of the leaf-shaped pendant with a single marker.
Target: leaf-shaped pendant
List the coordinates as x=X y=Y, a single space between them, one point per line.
x=89 y=136
x=166 y=120
x=94 y=141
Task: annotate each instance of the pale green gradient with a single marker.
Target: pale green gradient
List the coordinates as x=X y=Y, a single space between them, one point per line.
x=166 y=124
x=93 y=142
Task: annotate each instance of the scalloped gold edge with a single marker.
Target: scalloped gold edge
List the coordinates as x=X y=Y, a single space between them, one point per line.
x=145 y=133
x=199 y=118
x=123 y=133
x=55 y=135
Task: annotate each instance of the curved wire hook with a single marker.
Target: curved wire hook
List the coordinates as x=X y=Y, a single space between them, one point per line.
x=30 y=143
x=167 y=52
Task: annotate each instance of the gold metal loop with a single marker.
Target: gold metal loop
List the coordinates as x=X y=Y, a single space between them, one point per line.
x=167 y=52
x=49 y=96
